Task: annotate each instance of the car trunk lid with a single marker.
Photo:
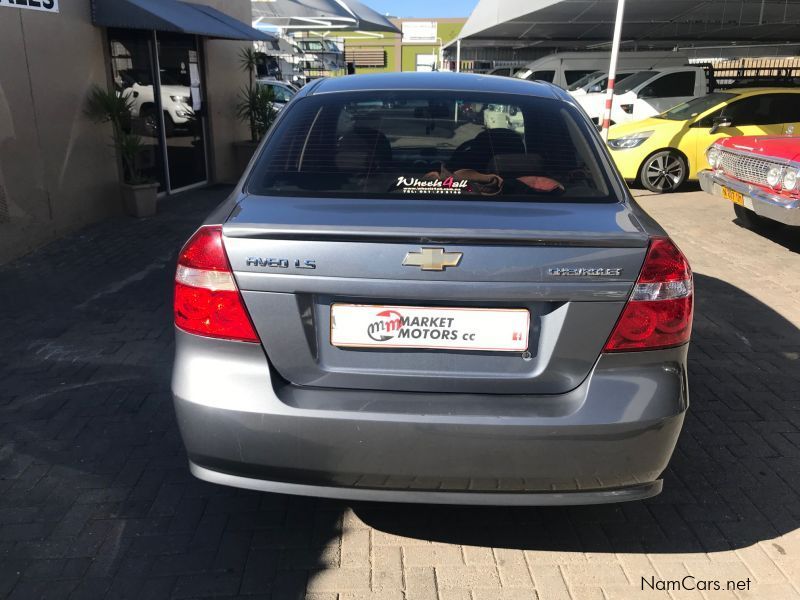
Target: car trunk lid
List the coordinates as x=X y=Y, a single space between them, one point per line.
x=570 y=265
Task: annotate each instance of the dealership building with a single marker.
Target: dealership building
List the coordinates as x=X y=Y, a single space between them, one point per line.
x=179 y=64
x=417 y=48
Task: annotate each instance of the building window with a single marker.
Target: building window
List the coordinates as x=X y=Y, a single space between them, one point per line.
x=366 y=57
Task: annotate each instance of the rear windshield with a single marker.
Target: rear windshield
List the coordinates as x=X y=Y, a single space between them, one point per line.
x=439 y=145
x=585 y=81
x=633 y=81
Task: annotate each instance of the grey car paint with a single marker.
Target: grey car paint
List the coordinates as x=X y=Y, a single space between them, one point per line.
x=295 y=415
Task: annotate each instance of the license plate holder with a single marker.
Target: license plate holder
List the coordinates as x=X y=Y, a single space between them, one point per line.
x=430 y=328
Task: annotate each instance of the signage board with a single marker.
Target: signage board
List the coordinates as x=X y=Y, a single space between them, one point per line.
x=419 y=32
x=43 y=5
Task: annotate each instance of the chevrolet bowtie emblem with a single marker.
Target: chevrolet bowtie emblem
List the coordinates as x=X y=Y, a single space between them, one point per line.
x=433 y=259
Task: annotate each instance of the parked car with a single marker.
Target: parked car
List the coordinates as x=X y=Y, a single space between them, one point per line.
x=647 y=93
x=596 y=82
x=504 y=71
x=759 y=175
x=535 y=353
x=662 y=152
x=565 y=68
x=590 y=92
x=503 y=116
x=282 y=92
x=176 y=100
x=650 y=93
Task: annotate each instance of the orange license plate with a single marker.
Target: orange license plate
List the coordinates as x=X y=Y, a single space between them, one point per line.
x=733 y=196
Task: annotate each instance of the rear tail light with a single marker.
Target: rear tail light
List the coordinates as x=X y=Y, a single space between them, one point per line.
x=207 y=301
x=659 y=311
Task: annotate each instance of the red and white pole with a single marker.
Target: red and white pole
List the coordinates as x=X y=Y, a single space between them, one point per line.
x=612 y=69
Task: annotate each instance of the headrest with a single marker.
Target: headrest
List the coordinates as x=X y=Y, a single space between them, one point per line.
x=363 y=150
x=527 y=164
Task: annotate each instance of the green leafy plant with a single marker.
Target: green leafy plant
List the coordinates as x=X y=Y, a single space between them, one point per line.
x=255 y=105
x=109 y=106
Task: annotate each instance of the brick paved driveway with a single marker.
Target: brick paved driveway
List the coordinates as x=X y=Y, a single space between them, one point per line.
x=96 y=500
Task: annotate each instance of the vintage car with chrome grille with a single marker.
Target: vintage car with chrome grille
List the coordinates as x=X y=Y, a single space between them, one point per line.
x=759 y=175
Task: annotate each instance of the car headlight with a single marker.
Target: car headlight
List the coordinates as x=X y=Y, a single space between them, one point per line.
x=183 y=99
x=790 y=179
x=714 y=157
x=633 y=140
x=775 y=176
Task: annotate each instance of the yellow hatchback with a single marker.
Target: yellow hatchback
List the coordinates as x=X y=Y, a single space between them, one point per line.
x=662 y=152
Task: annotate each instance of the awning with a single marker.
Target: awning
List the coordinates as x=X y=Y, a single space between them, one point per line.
x=309 y=15
x=588 y=23
x=368 y=19
x=173 y=15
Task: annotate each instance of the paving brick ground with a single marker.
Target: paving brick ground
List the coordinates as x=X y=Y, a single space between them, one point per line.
x=96 y=500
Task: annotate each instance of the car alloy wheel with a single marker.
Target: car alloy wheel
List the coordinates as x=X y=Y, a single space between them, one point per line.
x=663 y=172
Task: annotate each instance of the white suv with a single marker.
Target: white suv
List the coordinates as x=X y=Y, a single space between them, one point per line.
x=176 y=100
x=648 y=93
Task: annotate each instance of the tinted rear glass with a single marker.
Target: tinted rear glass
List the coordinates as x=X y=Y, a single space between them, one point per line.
x=633 y=81
x=440 y=145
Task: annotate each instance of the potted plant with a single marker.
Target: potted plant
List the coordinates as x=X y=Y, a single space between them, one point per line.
x=254 y=107
x=139 y=193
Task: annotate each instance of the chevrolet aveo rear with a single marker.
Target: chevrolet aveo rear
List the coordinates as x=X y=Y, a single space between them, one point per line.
x=432 y=288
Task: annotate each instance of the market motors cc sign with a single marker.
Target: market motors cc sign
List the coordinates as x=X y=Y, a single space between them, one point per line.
x=45 y=5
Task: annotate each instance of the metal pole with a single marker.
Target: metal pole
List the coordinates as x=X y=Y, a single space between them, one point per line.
x=612 y=68
x=458 y=55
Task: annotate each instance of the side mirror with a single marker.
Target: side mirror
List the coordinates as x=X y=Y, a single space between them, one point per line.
x=719 y=123
x=594 y=89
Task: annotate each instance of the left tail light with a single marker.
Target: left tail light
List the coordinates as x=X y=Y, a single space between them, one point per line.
x=207 y=301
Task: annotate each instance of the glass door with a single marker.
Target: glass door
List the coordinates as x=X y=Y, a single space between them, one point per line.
x=183 y=110
x=132 y=67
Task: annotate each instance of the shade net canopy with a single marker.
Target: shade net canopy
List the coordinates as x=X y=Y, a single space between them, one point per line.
x=587 y=23
x=339 y=15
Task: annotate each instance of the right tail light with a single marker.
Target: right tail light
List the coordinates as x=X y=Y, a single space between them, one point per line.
x=660 y=310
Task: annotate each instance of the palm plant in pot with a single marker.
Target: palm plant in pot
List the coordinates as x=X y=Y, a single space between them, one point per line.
x=254 y=107
x=139 y=193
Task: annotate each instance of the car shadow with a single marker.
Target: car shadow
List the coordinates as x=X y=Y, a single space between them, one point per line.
x=783 y=235
x=640 y=191
x=733 y=480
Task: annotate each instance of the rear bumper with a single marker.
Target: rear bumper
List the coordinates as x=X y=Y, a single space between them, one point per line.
x=607 y=441
x=763 y=203
x=625 y=494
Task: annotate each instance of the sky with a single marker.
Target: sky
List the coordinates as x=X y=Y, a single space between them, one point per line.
x=423 y=8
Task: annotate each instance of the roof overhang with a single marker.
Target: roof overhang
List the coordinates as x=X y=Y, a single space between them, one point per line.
x=327 y=15
x=175 y=16
x=588 y=23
